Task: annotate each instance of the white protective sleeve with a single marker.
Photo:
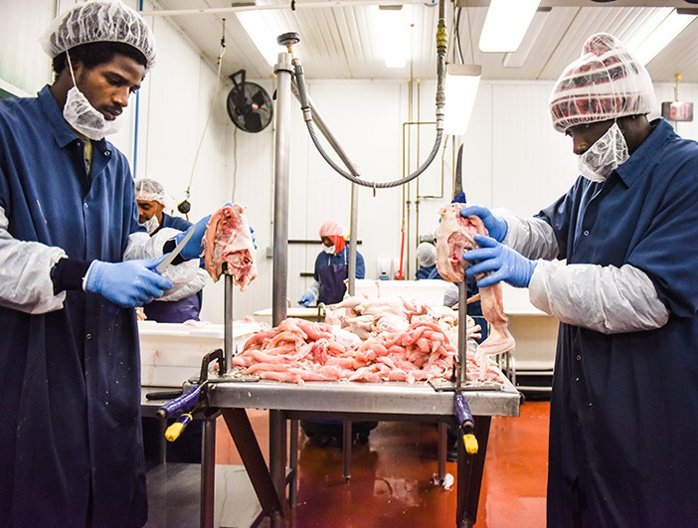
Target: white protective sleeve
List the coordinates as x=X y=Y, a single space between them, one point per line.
x=532 y=237
x=25 y=273
x=187 y=277
x=606 y=299
x=315 y=289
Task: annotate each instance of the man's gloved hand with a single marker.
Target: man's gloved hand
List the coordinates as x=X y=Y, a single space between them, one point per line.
x=193 y=248
x=505 y=264
x=128 y=284
x=307 y=298
x=496 y=227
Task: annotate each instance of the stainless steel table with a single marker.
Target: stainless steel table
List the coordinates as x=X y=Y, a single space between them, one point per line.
x=349 y=401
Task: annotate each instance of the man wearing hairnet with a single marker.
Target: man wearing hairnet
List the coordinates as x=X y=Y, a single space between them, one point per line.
x=183 y=303
x=625 y=389
x=70 y=439
x=331 y=267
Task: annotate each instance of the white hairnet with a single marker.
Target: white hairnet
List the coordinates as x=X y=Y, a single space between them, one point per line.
x=426 y=254
x=606 y=82
x=99 y=21
x=147 y=189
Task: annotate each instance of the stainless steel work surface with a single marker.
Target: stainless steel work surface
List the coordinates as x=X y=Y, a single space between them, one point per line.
x=355 y=397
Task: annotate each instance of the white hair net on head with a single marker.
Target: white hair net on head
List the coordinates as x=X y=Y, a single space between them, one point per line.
x=606 y=82
x=99 y=21
x=147 y=189
x=426 y=254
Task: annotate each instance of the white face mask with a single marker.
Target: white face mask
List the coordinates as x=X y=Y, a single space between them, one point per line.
x=604 y=156
x=151 y=224
x=83 y=117
x=329 y=250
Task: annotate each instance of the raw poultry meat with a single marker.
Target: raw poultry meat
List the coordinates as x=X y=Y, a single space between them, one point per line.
x=413 y=345
x=454 y=235
x=228 y=241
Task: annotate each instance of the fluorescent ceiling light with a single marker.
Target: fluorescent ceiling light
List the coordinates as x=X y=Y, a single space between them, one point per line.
x=394 y=30
x=462 y=81
x=506 y=24
x=646 y=42
x=518 y=58
x=262 y=28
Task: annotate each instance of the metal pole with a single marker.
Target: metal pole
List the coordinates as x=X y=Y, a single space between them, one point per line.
x=353 y=227
x=208 y=472
x=228 y=322
x=462 y=331
x=281 y=176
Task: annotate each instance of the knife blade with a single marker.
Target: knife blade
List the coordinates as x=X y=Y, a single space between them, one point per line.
x=458 y=182
x=160 y=268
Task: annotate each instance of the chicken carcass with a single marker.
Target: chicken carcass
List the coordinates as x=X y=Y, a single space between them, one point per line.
x=228 y=241
x=454 y=235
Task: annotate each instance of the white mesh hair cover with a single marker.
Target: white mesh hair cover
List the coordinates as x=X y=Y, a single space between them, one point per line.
x=99 y=21
x=147 y=189
x=426 y=254
x=606 y=82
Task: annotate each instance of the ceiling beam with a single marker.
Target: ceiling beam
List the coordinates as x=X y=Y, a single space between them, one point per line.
x=592 y=3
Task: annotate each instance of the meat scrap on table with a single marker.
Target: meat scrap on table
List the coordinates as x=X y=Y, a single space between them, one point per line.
x=369 y=340
x=228 y=241
x=454 y=235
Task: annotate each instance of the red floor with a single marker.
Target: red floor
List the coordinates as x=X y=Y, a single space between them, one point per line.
x=391 y=477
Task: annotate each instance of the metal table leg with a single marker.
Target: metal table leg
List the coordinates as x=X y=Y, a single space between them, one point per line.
x=346 y=449
x=208 y=471
x=441 y=451
x=470 y=468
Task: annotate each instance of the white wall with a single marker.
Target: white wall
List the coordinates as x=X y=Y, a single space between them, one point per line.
x=513 y=158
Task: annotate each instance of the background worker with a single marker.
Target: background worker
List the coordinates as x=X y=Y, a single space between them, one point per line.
x=70 y=440
x=184 y=303
x=626 y=369
x=331 y=267
x=426 y=259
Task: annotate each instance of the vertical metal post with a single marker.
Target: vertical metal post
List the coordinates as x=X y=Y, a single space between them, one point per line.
x=281 y=177
x=353 y=228
x=462 y=331
x=208 y=472
x=277 y=421
x=228 y=322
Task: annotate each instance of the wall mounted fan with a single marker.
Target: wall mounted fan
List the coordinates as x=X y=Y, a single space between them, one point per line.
x=249 y=105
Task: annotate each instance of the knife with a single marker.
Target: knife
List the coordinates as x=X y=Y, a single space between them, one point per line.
x=458 y=181
x=160 y=268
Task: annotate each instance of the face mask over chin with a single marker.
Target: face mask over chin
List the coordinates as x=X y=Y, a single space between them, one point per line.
x=83 y=117
x=329 y=250
x=151 y=224
x=604 y=156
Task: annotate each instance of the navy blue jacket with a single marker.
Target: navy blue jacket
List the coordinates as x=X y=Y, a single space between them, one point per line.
x=623 y=412
x=70 y=442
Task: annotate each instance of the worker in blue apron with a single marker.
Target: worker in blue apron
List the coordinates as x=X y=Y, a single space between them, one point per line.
x=625 y=386
x=332 y=267
x=329 y=287
x=185 y=303
x=73 y=266
x=426 y=261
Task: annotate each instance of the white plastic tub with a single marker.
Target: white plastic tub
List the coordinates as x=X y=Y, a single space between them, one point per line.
x=171 y=353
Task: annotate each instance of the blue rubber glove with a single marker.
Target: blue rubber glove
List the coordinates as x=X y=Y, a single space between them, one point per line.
x=496 y=227
x=128 y=284
x=193 y=248
x=505 y=264
x=254 y=239
x=307 y=298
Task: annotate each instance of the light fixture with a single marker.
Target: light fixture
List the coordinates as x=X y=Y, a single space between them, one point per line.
x=506 y=23
x=646 y=42
x=518 y=58
x=261 y=27
x=462 y=81
x=394 y=31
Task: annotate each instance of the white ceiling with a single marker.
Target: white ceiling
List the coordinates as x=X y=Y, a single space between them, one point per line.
x=342 y=41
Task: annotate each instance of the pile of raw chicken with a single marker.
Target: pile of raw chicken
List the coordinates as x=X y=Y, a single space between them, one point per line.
x=369 y=340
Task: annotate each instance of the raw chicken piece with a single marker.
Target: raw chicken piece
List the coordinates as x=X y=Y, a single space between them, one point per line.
x=228 y=240
x=454 y=235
